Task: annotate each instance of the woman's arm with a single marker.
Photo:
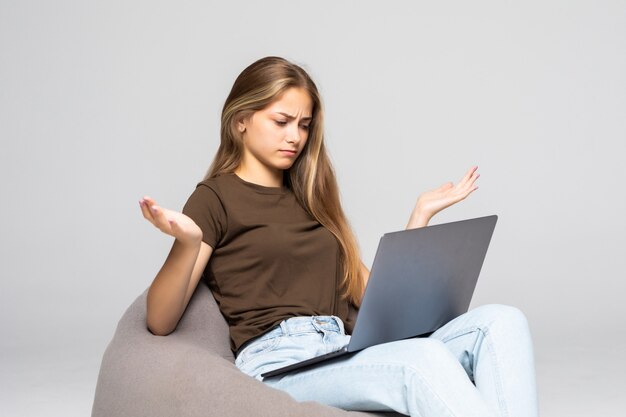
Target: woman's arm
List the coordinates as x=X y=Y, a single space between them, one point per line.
x=432 y=202
x=174 y=285
x=177 y=279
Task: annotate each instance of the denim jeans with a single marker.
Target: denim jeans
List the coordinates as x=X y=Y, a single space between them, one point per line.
x=479 y=364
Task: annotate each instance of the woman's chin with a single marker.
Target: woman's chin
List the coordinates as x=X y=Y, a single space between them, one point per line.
x=285 y=166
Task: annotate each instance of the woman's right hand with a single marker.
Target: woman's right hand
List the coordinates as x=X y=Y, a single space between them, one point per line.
x=170 y=222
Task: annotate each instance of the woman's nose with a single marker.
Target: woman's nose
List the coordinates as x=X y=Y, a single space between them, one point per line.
x=293 y=135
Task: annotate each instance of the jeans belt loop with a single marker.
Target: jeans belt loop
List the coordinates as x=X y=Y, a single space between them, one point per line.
x=316 y=325
x=340 y=324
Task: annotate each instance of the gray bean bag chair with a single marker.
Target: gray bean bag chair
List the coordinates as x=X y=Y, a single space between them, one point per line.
x=190 y=372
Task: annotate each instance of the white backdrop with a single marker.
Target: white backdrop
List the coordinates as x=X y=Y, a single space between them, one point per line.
x=104 y=102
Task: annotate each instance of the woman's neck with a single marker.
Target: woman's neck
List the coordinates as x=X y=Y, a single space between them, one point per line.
x=262 y=177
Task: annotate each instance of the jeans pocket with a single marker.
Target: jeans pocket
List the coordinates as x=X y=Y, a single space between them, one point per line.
x=255 y=349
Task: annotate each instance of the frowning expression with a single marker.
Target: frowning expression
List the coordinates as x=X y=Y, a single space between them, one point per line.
x=274 y=137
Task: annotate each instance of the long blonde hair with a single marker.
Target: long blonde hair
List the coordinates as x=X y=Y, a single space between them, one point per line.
x=311 y=178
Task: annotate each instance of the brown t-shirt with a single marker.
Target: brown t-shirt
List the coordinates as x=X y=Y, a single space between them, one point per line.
x=271 y=260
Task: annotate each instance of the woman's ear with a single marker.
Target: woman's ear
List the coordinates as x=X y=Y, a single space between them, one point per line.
x=241 y=124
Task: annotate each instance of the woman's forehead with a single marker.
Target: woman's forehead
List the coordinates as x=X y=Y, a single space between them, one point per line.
x=293 y=102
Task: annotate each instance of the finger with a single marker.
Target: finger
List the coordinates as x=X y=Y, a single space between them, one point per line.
x=472 y=179
x=157 y=212
x=149 y=201
x=469 y=173
x=145 y=210
x=469 y=191
x=162 y=217
x=146 y=201
x=463 y=189
x=158 y=215
x=154 y=208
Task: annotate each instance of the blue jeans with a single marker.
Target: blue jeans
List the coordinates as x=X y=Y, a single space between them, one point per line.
x=479 y=364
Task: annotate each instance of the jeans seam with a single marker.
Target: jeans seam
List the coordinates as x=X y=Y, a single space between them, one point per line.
x=492 y=353
x=496 y=371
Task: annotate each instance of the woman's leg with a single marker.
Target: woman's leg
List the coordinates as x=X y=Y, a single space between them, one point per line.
x=494 y=346
x=434 y=376
x=418 y=377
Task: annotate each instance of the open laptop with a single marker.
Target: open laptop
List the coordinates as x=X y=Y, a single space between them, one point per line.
x=420 y=280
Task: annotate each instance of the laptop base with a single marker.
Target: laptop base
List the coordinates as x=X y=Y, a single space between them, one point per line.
x=342 y=353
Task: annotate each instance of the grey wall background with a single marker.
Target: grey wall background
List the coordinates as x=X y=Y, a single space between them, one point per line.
x=104 y=102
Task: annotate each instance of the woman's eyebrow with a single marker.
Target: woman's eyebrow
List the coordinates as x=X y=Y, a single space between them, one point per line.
x=288 y=116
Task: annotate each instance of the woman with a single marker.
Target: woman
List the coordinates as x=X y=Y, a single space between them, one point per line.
x=266 y=229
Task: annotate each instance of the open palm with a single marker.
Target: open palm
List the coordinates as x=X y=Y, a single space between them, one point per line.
x=433 y=201
x=170 y=222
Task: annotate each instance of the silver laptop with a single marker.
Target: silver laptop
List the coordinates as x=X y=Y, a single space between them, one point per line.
x=420 y=280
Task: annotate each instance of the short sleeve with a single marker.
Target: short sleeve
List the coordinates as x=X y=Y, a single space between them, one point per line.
x=205 y=208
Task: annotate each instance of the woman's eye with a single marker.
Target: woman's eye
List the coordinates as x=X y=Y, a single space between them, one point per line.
x=281 y=122
x=305 y=127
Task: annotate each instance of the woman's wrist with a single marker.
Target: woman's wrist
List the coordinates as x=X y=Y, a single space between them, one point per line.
x=418 y=219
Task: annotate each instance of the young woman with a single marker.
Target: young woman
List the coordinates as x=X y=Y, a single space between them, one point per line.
x=266 y=229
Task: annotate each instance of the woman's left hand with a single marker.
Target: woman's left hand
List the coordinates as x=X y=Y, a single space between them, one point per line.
x=433 y=201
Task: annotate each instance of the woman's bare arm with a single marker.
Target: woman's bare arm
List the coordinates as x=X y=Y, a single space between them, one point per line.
x=174 y=285
x=177 y=279
x=431 y=202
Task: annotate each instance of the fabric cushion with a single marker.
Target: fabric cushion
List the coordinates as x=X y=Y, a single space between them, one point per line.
x=190 y=372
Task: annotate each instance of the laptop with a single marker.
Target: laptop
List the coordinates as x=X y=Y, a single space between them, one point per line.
x=420 y=280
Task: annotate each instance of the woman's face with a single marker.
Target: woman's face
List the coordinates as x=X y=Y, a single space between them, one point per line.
x=274 y=137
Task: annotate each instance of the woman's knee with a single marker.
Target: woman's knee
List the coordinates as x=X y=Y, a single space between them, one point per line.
x=507 y=315
x=430 y=357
